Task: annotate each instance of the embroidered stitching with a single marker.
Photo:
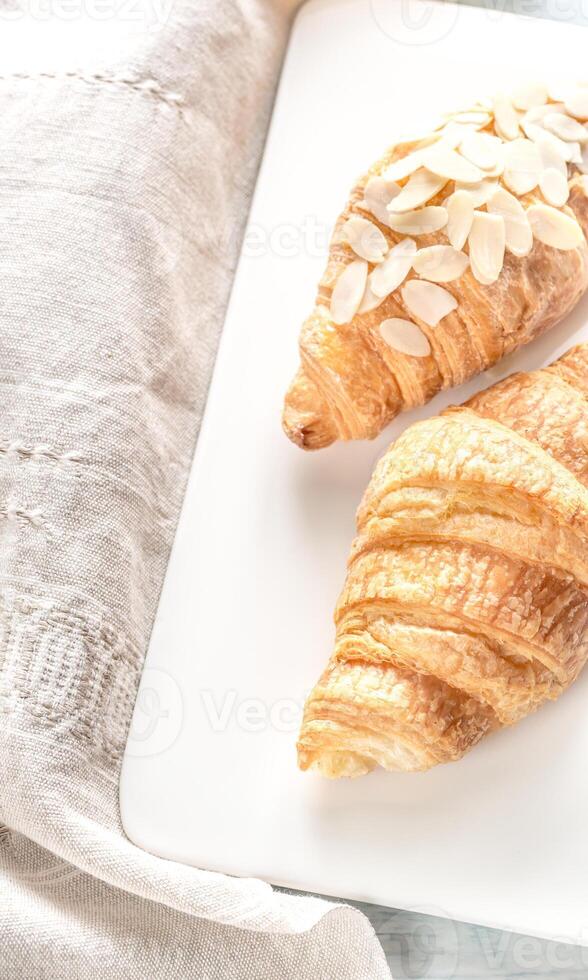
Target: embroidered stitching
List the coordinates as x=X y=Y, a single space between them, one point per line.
x=33 y=516
x=95 y=701
x=147 y=86
x=38 y=453
x=14 y=513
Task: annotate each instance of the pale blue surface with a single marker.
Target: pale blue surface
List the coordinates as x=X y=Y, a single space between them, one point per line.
x=421 y=947
x=427 y=947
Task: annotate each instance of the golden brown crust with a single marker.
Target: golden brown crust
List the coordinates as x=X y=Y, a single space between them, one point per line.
x=351 y=384
x=466 y=600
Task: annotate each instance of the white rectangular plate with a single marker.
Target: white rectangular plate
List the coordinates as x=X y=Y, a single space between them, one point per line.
x=245 y=621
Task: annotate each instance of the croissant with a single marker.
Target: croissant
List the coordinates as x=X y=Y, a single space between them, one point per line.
x=453 y=250
x=466 y=600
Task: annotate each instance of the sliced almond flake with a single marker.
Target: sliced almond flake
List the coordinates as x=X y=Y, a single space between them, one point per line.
x=427 y=140
x=538 y=134
x=479 y=275
x=522 y=166
x=551 y=157
x=518 y=234
x=554 y=187
x=419 y=189
x=440 y=263
x=365 y=238
x=506 y=121
x=425 y=221
x=569 y=130
x=482 y=149
x=577 y=102
x=445 y=162
x=454 y=133
x=404 y=167
x=370 y=301
x=480 y=193
x=479 y=104
x=472 y=118
x=348 y=291
x=487 y=243
x=423 y=136
x=537 y=113
x=426 y=301
x=394 y=269
x=555 y=228
x=405 y=337
x=533 y=130
x=529 y=96
x=498 y=170
x=378 y=193
x=460 y=214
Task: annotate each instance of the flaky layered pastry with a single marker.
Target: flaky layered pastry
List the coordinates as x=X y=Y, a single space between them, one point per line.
x=452 y=251
x=466 y=600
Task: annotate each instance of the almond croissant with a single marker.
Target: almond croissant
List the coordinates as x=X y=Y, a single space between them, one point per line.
x=466 y=600
x=452 y=251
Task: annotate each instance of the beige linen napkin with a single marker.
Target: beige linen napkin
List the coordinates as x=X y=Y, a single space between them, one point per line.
x=129 y=144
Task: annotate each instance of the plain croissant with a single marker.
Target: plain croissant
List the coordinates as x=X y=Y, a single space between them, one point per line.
x=452 y=251
x=466 y=600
